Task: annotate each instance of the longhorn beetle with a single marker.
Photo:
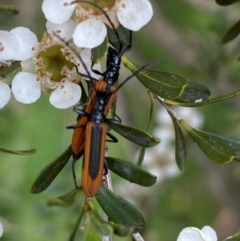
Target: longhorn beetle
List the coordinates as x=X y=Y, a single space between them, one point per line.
x=89 y=136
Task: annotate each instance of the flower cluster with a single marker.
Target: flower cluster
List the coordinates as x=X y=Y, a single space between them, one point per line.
x=50 y=65
x=91 y=30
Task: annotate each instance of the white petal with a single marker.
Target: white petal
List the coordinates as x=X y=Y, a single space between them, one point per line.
x=134 y=14
x=1 y=229
x=28 y=43
x=58 y=11
x=64 y=30
x=65 y=95
x=209 y=233
x=89 y=33
x=86 y=58
x=28 y=66
x=9 y=46
x=25 y=87
x=190 y=234
x=5 y=95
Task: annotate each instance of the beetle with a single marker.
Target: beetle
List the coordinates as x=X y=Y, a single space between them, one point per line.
x=90 y=132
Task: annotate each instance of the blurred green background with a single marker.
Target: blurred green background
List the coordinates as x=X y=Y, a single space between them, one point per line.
x=186 y=35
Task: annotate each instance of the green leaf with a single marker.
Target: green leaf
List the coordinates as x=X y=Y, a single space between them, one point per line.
x=235 y=237
x=234 y=144
x=163 y=84
x=120 y=210
x=203 y=103
x=130 y=172
x=232 y=33
x=125 y=37
x=100 y=51
x=150 y=121
x=118 y=229
x=17 y=152
x=65 y=200
x=194 y=92
x=216 y=149
x=8 y=10
x=180 y=147
x=135 y=135
x=49 y=173
x=226 y=2
x=7 y=71
x=92 y=235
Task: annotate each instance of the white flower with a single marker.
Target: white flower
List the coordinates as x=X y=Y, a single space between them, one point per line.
x=134 y=14
x=91 y=31
x=195 y=234
x=1 y=229
x=48 y=65
x=5 y=94
x=63 y=31
x=18 y=44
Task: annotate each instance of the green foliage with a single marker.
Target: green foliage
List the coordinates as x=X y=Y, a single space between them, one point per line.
x=180 y=147
x=65 y=200
x=165 y=85
x=232 y=33
x=135 y=135
x=7 y=71
x=235 y=237
x=120 y=210
x=8 y=10
x=17 y=152
x=50 y=172
x=130 y=172
x=211 y=145
x=120 y=35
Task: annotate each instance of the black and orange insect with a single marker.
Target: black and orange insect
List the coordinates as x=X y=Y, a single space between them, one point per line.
x=90 y=132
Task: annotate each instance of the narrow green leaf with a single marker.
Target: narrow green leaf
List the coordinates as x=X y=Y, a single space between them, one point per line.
x=7 y=71
x=194 y=92
x=163 y=84
x=17 y=152
x=234 y=144
x=235 y=237
x=216 y=149
x=180 y=147
x=135 y=135
x=65 y=200
x=120 y=210
x=203 y=103
x=8 y=9
x=150 y=122
x=226 y=2
x=130 y=172
x=124 y=34
x=232 y=33
x=49 y=173
x=100 y=51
